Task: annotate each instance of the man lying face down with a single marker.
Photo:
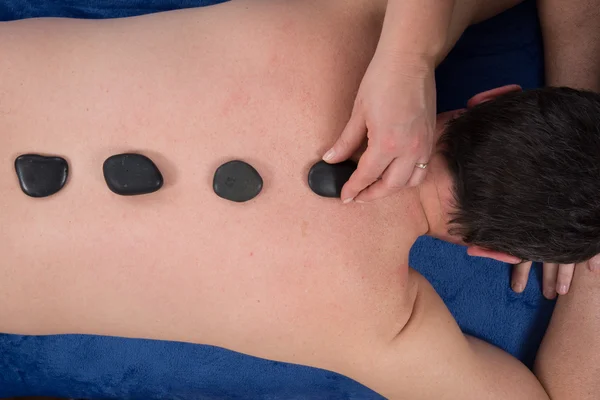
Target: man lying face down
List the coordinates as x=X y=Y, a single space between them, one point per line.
x=287 y=276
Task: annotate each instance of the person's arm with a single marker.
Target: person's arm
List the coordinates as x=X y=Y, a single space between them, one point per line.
x=395 y=106
x=429 y=29
x=571 y=31
x=568 y=362
x=417 y=29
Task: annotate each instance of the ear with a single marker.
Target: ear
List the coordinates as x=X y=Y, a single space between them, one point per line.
x=476 y=251
x=492 y=94
x=443 y=118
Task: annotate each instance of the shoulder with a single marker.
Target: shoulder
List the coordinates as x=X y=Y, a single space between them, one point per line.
x=430 y=358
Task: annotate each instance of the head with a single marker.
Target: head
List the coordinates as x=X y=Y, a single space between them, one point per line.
x=525 y=174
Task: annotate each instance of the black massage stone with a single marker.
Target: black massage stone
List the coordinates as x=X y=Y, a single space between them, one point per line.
x=237 y=181
x=41 y=176
x=327 y=180
x=131 y=174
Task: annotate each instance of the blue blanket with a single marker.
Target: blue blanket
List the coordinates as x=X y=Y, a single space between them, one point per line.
x=506 y=49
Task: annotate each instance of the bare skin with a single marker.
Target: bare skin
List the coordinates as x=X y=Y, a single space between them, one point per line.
x=288 y=276
x=564 y=365
x=571 y=33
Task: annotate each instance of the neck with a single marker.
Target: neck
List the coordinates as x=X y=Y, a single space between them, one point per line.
x=435 y=196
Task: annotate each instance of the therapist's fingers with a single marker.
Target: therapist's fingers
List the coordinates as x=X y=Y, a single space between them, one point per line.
x=370 y=167
x=520 y=276
x=564 y=278
x=394 y=178
x=349 y=141
x=550 y=271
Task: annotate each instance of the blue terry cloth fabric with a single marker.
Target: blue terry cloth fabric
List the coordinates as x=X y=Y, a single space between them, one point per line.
x=506 y=49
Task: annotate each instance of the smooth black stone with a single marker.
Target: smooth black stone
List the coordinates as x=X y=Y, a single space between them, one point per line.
x=41 y=176
x=131 y=174
x=237 y=181
x=327 y=180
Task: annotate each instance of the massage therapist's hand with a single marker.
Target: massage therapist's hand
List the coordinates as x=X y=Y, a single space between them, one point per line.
x=395 y=111
x=556 y=277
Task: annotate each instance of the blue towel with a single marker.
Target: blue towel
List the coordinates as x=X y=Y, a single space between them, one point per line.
x=506 y=49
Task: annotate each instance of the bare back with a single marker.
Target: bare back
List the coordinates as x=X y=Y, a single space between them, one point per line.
x=273 y=89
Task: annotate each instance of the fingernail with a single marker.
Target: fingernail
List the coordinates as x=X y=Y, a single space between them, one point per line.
x=348 y=200
x=563 y=289
x=549 y=294
x=329 y=155
x=517 y=287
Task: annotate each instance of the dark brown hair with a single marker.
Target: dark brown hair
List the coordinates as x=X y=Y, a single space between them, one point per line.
x=526 y=170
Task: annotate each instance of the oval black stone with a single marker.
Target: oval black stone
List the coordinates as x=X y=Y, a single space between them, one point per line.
x=41 y=176
x=327 y=180
x=237 y=181
x=131 y=174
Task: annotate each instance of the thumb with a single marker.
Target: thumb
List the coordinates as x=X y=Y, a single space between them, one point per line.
x=349 y=141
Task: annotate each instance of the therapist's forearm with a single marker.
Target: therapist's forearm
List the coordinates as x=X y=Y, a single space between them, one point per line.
x=571 y=31
x=415 y=30
x=422 y=32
